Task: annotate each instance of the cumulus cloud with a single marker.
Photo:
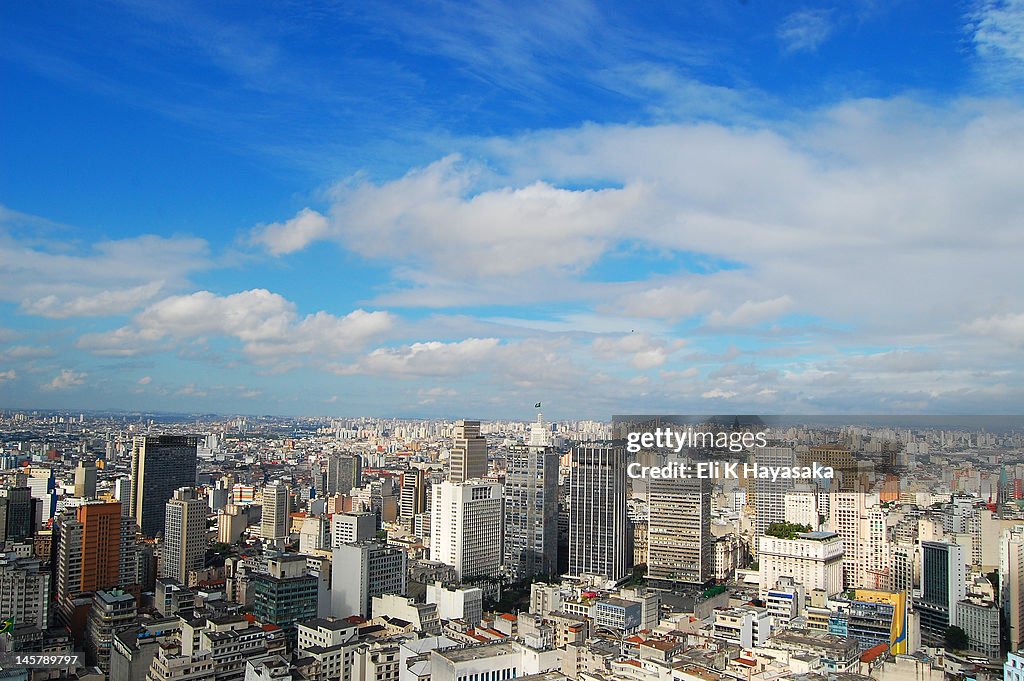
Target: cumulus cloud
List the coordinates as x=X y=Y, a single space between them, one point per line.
x=752 y=312
x=432 y=216
x=432 y=358
x=267 y=324
x=8 y=375
x=293 y=235
x=642 y=352
x=65 y=380
x=1006 y=327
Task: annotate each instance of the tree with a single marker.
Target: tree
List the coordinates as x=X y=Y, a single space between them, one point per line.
x=786 y=530
x=956 y=639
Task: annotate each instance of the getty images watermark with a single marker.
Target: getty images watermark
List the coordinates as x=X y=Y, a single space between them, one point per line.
x=706 y=441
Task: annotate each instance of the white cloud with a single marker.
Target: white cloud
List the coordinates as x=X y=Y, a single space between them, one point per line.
x=106 y=278
x=643 y=352
x=432 y=358
x=8 y=375
x=293 y=235
x=266 y=323
x=805 y=30
x=100 y=303
x=145 y=380
x=66 y=379
x=750 y=313
x=1006 y=327
x=996 y=28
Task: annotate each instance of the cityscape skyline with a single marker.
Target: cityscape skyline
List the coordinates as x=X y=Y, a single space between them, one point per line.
x=337 y=210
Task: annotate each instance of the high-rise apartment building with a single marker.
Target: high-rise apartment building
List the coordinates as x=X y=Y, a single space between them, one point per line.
x=17 y=513
x=24 y=590
x=468 y=454
x=285 y=593
x=274 y=526
x=466 y=527
x=95 y=552
x=531 y=507
x=185 y=535
x=160 y=465
x=598 y=523
x=679 y=541
x=112 y=612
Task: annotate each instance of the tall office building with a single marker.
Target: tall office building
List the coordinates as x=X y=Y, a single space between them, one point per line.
x=531 y=507
x=285 y=594
x=468 y=454
x=679 y=541
x=17 y=513
x=95 y=551
x=598 y=524
x=85 y=480
x=943 y=586
x=465 y=527
x=344 y=472
x=1011 y=584
x=185 y=535
x=770 y=495
x=160 y=465
x=274 y=526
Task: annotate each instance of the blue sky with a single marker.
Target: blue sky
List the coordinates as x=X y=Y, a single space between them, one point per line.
x=459 y=209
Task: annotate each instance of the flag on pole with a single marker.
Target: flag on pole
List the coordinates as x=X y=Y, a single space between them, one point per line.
x=537 y=406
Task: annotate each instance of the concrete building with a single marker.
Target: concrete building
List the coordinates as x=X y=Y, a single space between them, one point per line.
x=979 y=618
x=85 y=479
x=160 y=465
x=185 y=535
x=24 y=590
x=467 y=458
x=813 y=559
x=111 y=613
x=746 y=626
x=274 y=525
x=466 y=527
x=1011 y=580
x=598 y=522
x=679 y=540
x=423 y=616
x=349 y=528
x=285 y=594
x=344 y=472
x=364 y=570
x=531 y=507
x=943 y=587
x=464 y=603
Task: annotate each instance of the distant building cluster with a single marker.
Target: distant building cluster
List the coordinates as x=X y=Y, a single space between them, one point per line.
x=270 y=549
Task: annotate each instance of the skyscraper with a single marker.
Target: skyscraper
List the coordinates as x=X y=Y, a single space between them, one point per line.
x=943 y=586
x=85 y=480
x=466 y=528
x=598 y=524
x=679 y=541
x=95 y=551
x=160 y=465
x=770 y=495
x=413 y=499
x=468 y=458
x=17 y=514
x=364 y=570
x=344 y=471
x=185 y=535
x=274 y=526
x=1011 y=583
x=531 y=507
